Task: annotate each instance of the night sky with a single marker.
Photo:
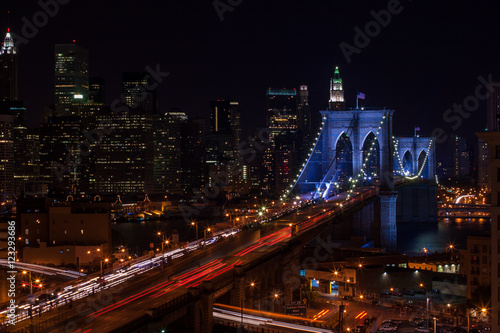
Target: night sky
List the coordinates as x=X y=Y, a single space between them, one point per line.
x=426 y=59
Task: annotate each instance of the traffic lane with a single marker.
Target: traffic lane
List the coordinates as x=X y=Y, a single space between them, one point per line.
x=109 y=315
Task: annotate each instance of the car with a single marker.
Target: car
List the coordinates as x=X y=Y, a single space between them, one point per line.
x=388 y=328
x=417 y=321
x=392 y=322
x=422 y=329
x=376 y=303
x=360 y=329
x=348 y=298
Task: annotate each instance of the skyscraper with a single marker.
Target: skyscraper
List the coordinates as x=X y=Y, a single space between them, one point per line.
x=337 y=101
x=493 y=108
x=281 y=111
x=283 y=123
x=167 y=152
x=8 y=69
x=124 y=158
x=137 y=97
x=60 y=157
x=97 y=89
x=6 y=159
x=193 y=155
x=220 y=117
x=304 y=112
x=71 y=76
x=492 y=124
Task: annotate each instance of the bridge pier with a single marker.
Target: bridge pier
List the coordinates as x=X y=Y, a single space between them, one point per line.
x=201 y=311
x=388 y=228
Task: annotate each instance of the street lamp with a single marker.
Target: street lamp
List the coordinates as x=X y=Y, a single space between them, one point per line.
x=252 y=284
x=196 y=226
x=31 y=282
x=207 y=230
x=102 y=276
x=276 y=297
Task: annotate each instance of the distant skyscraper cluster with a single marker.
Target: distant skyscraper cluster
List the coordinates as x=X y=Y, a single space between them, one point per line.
x=85 y=147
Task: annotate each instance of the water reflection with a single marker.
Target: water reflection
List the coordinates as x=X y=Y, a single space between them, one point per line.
x=413 y=237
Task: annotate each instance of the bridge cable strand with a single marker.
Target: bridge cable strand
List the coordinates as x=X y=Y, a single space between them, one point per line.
x=403 y=172
x=423 y=164
x=361 y=172
x=396 y=144
x=304 y=165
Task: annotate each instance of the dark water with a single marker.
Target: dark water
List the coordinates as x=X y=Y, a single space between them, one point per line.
x=138 y=236
x=414 y=237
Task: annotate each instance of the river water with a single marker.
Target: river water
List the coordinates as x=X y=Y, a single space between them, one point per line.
x=412 y=237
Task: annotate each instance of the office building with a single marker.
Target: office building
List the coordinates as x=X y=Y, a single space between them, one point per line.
x=193 y=155
x=461 y=158
x=124 y=158
x=8 y=69
x=7 y=163
x=167 y=153
x=482 y=162
x=281 y=111
x=71 y=76
x=137 y=96
x=304 y=112
x=97 y=87
x=60 y=156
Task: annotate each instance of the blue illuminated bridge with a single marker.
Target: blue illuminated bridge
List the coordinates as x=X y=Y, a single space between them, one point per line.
x=350 y=168
x=357 y=148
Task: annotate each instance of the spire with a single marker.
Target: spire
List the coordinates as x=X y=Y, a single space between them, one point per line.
x=8 y=46
x=336 y=91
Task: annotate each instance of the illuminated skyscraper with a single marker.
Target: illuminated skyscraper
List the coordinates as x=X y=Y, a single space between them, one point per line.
x=283 y=124
x=7 y=163
x=281 y=111
x=124 y=157
x=71 y=76
x=337 y=101
x=304 y=112
x=167 y=153
x=8 y=70
x=137 y=97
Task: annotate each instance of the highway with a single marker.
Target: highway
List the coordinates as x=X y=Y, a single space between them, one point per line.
x=49 y=271
x=222 y=315
x=135 y=299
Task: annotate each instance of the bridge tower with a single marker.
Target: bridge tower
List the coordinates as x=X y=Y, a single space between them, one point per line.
x=356 y=127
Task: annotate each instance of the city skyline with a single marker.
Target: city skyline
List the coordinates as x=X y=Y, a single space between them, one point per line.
x=436 y=66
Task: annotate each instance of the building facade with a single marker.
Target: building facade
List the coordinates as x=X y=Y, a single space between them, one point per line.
x=493 y=140
x=71 y=76
x=8 y=69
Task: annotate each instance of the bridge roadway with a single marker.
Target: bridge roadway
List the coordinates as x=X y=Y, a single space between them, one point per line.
x=255 y=323
x=107 y=310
